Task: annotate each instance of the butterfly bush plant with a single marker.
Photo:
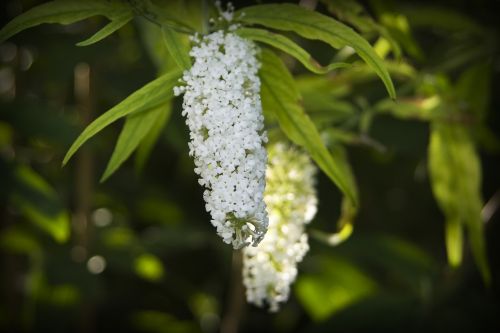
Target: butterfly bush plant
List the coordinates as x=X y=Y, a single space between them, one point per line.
x=255 y=148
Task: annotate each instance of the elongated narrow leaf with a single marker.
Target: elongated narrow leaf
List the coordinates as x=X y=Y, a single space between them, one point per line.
x=287 y=45
x=281 y=98
x=116 y=23
x=316 y=26
x=176 y=47
x=147 y=144
x=63 y=12
x=456 y=183
x=137 y=126
x=152 y=94
x=38 y=202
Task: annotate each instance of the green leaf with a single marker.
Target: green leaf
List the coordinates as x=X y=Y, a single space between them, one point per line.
x=152 y=94
x=281 y=98
x=455 y=172
x=354 y=14
x=349 y=208
x=334 y=285
x=149 y=267
x=454 y=241
x=63 y=12
x=137 y=126
x=116 y=23
x=147 y=144
x=287 y=45
x=176 y=47
x=39 y=203
x=161 y=16
x=313 y=25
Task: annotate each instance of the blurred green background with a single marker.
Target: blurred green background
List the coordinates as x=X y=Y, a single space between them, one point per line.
x=138 y=254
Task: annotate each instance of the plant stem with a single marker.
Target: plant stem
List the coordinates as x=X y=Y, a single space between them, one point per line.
x=235 y=300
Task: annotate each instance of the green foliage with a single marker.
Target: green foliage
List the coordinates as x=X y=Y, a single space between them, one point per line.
x=149 y=267
x=117 y=21
x=337 y=285
x=354 y=14
x=281 y=98
x=39 y=203
x=456 y=182
x=445 y=89
x=287 y=45
x=136 y=128
x=313 y=25
x=66 y=12
x=177 y=49
x=151 y=95
x=149 y=140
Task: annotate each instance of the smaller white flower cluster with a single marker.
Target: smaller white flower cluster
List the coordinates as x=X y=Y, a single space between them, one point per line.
x=224 y=115
x=270 y=268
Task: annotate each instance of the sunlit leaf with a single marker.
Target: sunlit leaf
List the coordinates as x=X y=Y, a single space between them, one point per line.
x=455 y=171
x=136 y=128
x=63 y=12
x=281 y=98
x=117 y=21
x=313 y=25
x=151 y=95
x=149 y=267
x=454 y=240
x=287 y=45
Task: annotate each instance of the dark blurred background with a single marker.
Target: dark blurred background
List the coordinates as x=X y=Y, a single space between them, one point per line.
x=137 y=253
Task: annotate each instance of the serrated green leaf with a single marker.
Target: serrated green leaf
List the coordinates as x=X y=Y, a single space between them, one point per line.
x=287 y=45
x=152 y=94
x=147 y=144
x=39 y=203
x=281 y=98
x=313 y=25
x=137 y=126
x=116 y=23
x=63 y=12
x=455 y=172
x=176 y=47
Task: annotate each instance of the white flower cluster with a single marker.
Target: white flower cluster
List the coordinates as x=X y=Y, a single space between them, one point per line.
x=270 y=268
x=224 y=115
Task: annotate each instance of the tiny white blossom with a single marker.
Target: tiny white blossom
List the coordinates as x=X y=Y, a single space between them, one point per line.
x=270 y=268
x=224 y=114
